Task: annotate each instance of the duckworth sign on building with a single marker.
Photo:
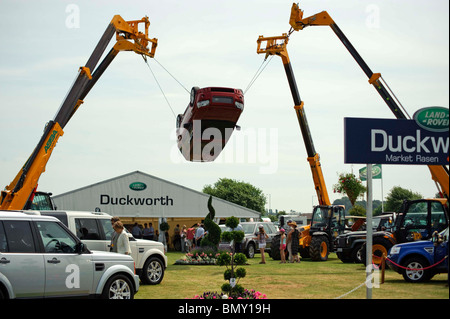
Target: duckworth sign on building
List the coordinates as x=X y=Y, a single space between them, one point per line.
x=421 y=141
x=138 y=194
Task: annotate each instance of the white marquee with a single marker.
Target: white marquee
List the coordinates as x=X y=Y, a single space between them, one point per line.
x=138 y=194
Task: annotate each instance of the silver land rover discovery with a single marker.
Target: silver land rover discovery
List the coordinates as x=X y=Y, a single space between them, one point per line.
x=41 y=258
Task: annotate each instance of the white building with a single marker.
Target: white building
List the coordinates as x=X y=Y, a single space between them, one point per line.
x=143 y=198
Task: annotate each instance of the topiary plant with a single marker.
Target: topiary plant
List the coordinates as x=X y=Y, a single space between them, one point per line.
x=232 y=274
x=164 y=226
x=213 y=230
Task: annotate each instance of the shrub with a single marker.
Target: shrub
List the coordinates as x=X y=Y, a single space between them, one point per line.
x=240 y=259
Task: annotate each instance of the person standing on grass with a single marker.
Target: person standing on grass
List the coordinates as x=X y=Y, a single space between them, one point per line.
x=123 y=243
x=136 y=231
x=183 y=239
x=288 y=241
x=261 y=236
x=199 y=233
x=282 y=246
x=293 y=234
x=190 y=236
x=146 y=232
x=114 y=235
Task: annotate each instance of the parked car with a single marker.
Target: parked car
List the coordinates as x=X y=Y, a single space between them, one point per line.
x=419 y=261
x=41 y=258
x=208 y=121
x=95 y=230
x=249 y=245
x=349 y=244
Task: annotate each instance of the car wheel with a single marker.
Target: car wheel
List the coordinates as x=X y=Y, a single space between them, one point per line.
x=153 y=271
x=419 y=275
x=3 y=295
x=118 y=287
x=357 y=255
x=251 y=250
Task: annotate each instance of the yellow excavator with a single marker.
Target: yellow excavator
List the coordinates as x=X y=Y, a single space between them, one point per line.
x=18 y=194
x=320 y=237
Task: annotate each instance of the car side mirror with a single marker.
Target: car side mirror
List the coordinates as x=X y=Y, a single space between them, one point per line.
x=80 y=248
x=130 y=237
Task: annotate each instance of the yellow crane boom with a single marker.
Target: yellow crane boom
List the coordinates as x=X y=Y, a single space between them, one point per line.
x=439 y=173
x=128 y=38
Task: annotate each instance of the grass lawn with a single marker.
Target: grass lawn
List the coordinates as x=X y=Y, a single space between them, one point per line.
x=307 y=280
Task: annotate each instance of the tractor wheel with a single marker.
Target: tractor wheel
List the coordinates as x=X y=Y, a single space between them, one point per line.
x=380 y=246
x=319 y=248
x=274 y=251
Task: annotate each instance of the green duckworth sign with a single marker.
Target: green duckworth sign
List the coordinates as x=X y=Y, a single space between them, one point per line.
x=421 y=141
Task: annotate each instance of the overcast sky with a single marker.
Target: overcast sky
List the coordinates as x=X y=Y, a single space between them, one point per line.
x=126 y=124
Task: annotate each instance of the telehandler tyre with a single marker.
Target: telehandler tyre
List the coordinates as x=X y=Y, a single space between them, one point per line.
x=380 y=246
x=319 y=248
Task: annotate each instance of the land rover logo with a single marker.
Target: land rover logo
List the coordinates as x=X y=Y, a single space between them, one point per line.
x=138 y=186
x=433 y=118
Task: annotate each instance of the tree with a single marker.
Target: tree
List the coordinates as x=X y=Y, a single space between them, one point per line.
x=360 y=206
x=238 y=192
x=397 y=195
x=351 y=186
x=357 y=210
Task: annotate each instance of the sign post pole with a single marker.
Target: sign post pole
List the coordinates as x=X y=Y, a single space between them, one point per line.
x=369 y=234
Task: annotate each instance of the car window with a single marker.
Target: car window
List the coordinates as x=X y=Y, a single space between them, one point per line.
x=248 y=228
x=107 y=228
x=55 y=238
x=41 y=202
x=87 y=228
x=438 y=220
x=19 y=237
x=417 y=216
x=3 y=244
x=269 y=228
x=320 y=215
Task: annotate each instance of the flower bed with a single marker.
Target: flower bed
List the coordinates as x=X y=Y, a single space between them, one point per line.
x=247 y=294
x=199 y=258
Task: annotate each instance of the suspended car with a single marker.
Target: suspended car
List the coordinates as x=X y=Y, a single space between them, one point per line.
x=208 y=122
